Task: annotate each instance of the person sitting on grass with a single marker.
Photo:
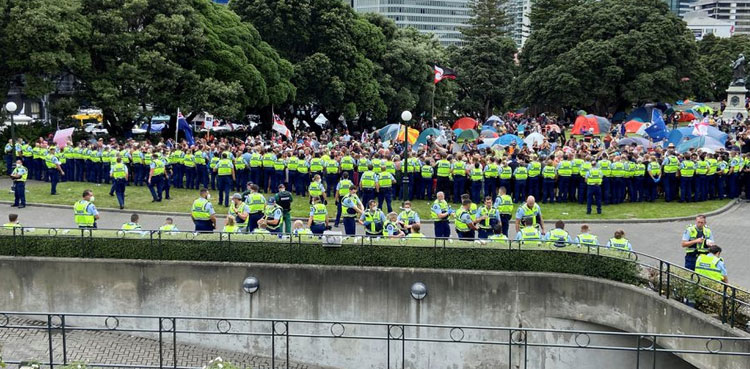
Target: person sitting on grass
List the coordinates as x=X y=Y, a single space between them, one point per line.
x=585 y=238
x=169 y=226
x=262 y=228
x=415 y=231
x=230 y=226
x=498 y=235
x=12 y=222
x=132 y=225
x=298 y=229
x=391 y=228
x=619 y=242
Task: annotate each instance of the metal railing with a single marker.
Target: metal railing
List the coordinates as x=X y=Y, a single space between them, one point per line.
x=388 y=342
x=728 y=303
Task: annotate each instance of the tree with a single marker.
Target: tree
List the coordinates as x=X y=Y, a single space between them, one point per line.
x=169 y=54
x=609 y=54
x=485 y=64
x=329 y=44
x=544 y=10
x=40 y=40
x=716 y=56
x=488 y=19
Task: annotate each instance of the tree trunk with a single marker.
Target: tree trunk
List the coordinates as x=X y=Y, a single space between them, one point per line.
x=111 y=123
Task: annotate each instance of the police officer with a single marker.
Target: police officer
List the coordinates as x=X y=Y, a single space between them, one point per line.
x=119 y=174
x=408 y=218
x=256 y=204
x=558 y=236
x=373 y=219
x=594 y=178
x=476 y=176
x=54 y=171
x=670 y=166
x=318 y=220
x=19 y=176
x=564 y=174
x=504 y=205
x=711 y=265
x=585 y=238
x=619 y=242
x=694 y=241
x=533 y=212
x=132 y=225
x=464 y=221
x=440 y=213
x=284 y=199
x=351 y=208
x=84 y=211
x=385 y=184
x=549 y=172
x=342 y=189
x=424 y=190
x=529 y=235
x=226 y=177
x=239 y=211
x=487 y=217
x=458 y=171
x=156 y=178
x=687 y=172
x=273 y=216
x=203 y=213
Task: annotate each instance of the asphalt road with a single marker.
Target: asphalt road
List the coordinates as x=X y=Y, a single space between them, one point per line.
x=658 y=239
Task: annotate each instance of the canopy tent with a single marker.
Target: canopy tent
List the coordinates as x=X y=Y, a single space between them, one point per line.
x=534 y=138
x=468 y=135
x=465 y=123
x=703 y=109
x=507 y=139
x=585 y=124
x=489 y=133
x=638 y=141
x=434 y=132
x=686 y=117
x=713 y=132
x=492 y=120
x=704 y=142
x=155 y=127
x=641 y=114
x=633 y=126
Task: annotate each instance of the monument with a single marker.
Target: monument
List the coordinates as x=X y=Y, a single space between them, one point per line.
x=736 y=91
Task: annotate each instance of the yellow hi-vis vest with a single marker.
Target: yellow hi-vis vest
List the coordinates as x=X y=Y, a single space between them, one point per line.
x=200 y=209
x=81 y=215
x=707 y=265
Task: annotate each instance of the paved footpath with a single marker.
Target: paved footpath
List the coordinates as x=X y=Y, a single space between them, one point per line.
x=118 y=348
x=658 y=239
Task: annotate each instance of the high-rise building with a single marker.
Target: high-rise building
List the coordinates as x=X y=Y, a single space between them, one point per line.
x=674 y=5
x=733 y=11
x=444 y=18
x=685 y=6
x=519 y=25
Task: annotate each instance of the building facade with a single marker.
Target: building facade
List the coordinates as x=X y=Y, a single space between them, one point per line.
x=702 y=25
x=736 y=12
x=444 y=18
x=519 y=25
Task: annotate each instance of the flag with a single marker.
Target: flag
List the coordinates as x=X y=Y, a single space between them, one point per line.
x=62 y=136
x=701 y=128
x=183 y=126
x=280 y=126
x=658 y=129
x=443 y=73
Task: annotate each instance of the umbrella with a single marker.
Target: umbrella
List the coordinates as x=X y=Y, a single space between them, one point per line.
x=412 y=135
x=702 y=142
x=491 y=128
x=489 y=133
x=686 y=117
x=533 y=138
x=633 y=126
x=465 y=123
x=507 y=139
x=640 y=141
x=468 y=135
x=457 y=131
x=434 y=132
x=581 y=112
x=553 y=127
x=388 y=132
x=492 y=119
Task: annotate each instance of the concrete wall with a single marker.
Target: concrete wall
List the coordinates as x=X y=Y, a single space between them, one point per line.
x=501 y=299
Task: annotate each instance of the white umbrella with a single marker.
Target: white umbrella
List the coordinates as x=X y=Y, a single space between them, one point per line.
x=533 y=138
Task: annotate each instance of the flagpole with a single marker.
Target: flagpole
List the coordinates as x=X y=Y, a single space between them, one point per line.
x=432 y=108
x=177 y=127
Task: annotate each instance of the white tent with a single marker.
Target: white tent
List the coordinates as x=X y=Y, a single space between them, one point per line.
x=533 y=138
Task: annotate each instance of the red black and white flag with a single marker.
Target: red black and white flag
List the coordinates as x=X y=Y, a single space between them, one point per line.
x=280 y=126
x=442 y=73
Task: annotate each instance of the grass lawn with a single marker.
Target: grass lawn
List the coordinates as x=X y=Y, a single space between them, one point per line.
x=139 y=198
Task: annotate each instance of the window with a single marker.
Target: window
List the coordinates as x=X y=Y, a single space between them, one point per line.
x=34 y=108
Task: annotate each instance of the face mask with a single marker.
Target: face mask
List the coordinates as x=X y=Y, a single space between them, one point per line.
x=208 y=197
x=92 y=199
x=407 y=209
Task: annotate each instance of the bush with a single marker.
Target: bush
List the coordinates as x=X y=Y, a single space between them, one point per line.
x=388 y=253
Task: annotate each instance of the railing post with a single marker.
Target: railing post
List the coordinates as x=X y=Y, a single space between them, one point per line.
x=14 y=240
x=638 y=353
x=724 y=304
x=174 y=342
x=273 y=344
x=161 y=247
x=510 y=348
x=161 y=346
x=669 y=279
x=64 y=343
x=661 y=274
x=734 y=307
x=388 y=346
x=403 y=347
x=49 y=339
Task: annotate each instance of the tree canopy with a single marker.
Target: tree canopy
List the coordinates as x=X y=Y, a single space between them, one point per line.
x=716 y=56
x=609 y=54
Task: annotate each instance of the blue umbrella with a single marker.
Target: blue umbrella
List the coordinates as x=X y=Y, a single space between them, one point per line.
x=507 y=139
x=457 y=131
x=489 y=127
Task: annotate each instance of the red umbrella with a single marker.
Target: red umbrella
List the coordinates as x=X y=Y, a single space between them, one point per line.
x=465 y=123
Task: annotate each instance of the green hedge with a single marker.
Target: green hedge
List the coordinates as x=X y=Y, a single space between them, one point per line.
x=453 y=256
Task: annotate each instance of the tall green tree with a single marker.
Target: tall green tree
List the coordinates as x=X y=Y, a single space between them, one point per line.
x=544 y=10
x=606 y=55
x=485 y=64
x=329 y=45
x=169 y=54
x=716 y=56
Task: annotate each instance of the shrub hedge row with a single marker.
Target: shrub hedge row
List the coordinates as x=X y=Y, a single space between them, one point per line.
x=393 y=255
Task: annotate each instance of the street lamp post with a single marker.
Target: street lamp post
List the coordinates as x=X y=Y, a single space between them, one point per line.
x=406 y=117
x=11 y=107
